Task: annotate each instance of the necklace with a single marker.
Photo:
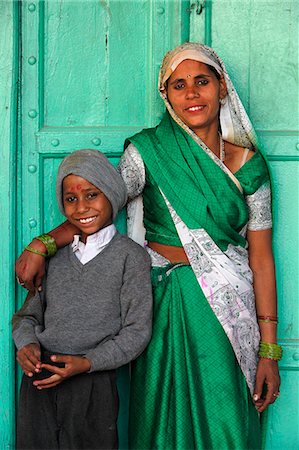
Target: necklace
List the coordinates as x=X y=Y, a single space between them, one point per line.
x=221 y=149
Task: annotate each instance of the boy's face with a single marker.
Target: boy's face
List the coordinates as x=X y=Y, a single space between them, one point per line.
x=85 y=205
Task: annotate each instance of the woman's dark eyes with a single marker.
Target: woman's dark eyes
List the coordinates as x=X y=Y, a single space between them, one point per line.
x=201 y=82
x=179 y=86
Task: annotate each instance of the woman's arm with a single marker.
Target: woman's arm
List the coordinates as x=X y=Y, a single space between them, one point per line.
x=262 y=265
x=30 y=267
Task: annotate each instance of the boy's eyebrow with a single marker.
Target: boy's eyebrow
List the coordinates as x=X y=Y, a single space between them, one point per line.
x=70 y=191
x=201 y=75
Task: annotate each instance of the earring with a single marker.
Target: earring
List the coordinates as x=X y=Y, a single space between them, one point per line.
x=222 y=101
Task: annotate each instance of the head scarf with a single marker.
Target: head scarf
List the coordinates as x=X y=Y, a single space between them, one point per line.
x=94 y=167
x=235 y=124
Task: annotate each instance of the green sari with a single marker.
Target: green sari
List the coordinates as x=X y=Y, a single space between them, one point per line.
x=188 y=390
x=192 y=386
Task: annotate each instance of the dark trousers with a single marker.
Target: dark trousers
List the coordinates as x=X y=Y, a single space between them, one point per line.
x=79 y=413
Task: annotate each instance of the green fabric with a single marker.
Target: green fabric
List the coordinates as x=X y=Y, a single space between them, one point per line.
x=200 y=192
x=187 y=390
x=195 y=395
x=157 y=220
x=253 y=174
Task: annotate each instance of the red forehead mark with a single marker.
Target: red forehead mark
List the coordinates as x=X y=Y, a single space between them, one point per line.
x=75 y=188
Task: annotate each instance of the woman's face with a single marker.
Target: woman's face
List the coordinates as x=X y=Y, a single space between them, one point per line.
x=193 y=91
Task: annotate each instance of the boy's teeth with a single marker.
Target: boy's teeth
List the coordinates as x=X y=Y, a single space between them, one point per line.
x=86 y=220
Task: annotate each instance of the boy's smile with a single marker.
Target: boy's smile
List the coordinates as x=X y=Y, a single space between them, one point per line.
x=85 y=205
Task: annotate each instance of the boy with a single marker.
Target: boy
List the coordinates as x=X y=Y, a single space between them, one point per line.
x=92 y=316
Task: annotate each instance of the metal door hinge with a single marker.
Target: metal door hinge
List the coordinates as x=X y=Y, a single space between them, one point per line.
x=197 y=6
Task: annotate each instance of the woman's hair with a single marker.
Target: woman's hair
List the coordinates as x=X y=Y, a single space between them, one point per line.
x=212 y=69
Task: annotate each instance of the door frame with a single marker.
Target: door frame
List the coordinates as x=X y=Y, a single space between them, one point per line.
x=9 y=87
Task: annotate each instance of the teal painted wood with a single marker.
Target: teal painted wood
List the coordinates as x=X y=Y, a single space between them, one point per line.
x=73 y=97
x=89 y=75
x=8 y=113
x=259 y=43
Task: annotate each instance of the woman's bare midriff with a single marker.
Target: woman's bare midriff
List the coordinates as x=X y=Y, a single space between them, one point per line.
x=172 y=253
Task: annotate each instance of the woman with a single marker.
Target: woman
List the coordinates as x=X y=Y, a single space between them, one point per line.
x=207 y=215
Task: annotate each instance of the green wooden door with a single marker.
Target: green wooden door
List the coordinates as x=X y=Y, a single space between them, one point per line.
x=88 y=77
x=258 y=40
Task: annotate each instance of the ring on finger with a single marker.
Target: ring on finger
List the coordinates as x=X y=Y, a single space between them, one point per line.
x=276 y=395
x=20 y=282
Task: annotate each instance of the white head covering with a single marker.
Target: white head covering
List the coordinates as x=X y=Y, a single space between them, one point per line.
x=235 y=124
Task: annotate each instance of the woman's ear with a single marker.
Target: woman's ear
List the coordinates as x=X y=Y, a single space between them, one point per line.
x=223 y=88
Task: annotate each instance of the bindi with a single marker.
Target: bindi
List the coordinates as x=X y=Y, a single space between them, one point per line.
x=75 y=188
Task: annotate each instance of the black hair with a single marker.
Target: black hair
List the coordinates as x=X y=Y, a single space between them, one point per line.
x=215 y=72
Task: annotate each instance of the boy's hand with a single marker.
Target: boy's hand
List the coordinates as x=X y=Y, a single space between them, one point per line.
x=29 y=359
x=73 y=366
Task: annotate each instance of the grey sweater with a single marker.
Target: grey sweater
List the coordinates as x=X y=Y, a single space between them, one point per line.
x=101 y=310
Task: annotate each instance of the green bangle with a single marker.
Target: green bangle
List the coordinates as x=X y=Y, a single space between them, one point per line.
x=267 y=321
x=33 y=250
x=270 y=351
x=49 y=243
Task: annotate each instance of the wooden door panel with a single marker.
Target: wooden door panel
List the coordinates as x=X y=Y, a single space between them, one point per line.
x=94 y=65
x=89 y=80
x=258 y=42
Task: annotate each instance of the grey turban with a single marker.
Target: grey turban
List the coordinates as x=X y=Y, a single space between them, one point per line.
x=95 y=168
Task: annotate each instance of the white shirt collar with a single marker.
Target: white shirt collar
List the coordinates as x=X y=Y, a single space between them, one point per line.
x=95 y=243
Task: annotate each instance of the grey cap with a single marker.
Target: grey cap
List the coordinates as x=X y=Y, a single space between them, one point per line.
x=94 y=167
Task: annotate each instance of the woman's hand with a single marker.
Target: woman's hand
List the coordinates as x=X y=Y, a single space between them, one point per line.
x=73 y=366
x=30 y=268
x=267 y=374
x=29 y=359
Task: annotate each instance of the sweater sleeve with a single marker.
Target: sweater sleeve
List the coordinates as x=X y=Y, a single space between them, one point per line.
x=136 y=317
x=27 y=320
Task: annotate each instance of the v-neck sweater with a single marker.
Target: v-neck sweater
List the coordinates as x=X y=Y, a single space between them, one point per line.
x=101 y=310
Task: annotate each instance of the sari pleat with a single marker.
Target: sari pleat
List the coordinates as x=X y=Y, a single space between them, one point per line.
x=193 y=380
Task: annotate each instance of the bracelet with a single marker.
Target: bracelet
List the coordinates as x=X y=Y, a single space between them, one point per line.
x=270 y=318
x=270 y=351
x=33 y=250
x=267 y=321
x=49 y=243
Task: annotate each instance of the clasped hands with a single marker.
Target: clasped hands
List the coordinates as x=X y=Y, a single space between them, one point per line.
x=29 y=358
